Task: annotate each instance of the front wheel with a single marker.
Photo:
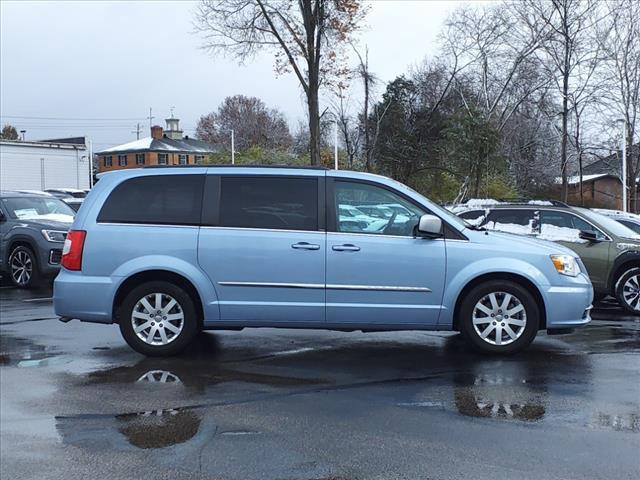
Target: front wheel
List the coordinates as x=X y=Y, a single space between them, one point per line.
x=23 y=268
x=628 y=290
x=158 y=319
x=499 y=317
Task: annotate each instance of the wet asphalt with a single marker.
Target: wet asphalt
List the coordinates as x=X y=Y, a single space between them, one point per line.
x=76 y=402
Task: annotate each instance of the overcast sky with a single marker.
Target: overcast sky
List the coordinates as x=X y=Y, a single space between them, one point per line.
x=94 y=68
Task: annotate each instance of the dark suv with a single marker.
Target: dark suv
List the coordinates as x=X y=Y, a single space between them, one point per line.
x=609 y=250
x=32 y=232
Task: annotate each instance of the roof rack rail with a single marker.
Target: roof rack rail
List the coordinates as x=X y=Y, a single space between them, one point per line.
x=227 y=165
x=520 y=201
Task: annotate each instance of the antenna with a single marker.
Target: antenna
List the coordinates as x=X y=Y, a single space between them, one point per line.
x=151 y=117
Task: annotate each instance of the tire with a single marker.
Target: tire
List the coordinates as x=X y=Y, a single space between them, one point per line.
x=628 y=290
x=163 y=334
x=23 y=268
x=506 y=335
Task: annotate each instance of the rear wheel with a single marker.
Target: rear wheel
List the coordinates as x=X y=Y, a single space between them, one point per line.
x=499 y=317
x=628 y=290
x=23 y=268
x=158 y=319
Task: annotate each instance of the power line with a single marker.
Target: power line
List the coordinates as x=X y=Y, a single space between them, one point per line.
x=71 y=118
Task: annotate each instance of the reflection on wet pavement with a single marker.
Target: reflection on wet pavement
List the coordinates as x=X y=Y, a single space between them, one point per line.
x=300 y=405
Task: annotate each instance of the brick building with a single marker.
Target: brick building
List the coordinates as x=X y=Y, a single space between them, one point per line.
x=163 y=147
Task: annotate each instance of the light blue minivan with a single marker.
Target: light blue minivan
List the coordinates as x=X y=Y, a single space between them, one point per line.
x=168 y=251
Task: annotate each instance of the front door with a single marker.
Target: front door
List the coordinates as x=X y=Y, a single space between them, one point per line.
x=377 y=272
x=264 y=247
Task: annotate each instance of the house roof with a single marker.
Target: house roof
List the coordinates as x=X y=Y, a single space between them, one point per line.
x=189 y=145
x=611 y=164
x=575 y=179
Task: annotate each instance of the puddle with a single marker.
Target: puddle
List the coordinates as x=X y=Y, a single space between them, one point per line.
x=44 y=362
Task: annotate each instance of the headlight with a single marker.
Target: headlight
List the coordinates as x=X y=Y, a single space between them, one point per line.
x=566 y=265
x=54 y=235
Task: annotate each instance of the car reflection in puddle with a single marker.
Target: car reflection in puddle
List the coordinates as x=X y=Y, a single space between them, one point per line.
x=25 y=353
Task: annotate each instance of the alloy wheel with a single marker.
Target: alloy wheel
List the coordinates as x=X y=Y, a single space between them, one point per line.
x=21 y=267
x=631 y=292
x=499 y=318
x=157 y=319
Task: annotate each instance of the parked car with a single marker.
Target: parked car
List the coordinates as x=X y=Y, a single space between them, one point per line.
x=67 y=192
x=73 y=202
x=610 y=251
x=33 y=228
x=629 y=220
x=215 y=248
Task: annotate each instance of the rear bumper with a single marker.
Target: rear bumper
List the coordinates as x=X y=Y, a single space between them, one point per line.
x=89 y=299
x=569 y=306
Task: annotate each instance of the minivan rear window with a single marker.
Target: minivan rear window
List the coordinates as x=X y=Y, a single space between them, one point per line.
x=155 y=199
x=278 y=203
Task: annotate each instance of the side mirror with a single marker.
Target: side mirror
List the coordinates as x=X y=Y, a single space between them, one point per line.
x=429 y=226
x=589 y=236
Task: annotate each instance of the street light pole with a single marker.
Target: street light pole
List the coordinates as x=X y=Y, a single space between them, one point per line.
x=233 y=148
x=624 y=165
x=335 y=148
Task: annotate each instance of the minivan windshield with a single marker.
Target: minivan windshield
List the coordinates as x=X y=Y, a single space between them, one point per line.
x=609 y=224
x=38 y=208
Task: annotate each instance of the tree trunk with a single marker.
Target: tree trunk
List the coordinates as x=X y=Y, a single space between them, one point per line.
x=314 y=125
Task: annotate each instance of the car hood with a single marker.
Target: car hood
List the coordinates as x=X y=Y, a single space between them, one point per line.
x=511 y=242
x=52 y=223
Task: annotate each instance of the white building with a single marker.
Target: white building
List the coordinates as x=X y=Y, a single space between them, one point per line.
x=58 y=163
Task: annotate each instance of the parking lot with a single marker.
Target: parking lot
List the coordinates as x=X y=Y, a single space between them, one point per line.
x=76 y=402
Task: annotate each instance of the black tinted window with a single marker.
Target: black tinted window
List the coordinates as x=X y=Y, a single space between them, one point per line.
x=472 y=215
x=632 y=225
x=282 y=203
x=514 y=217
x=160 y=199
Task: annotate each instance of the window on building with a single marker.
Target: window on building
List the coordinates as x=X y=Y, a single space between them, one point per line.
x=139 y=158
x=108 y=161
x=183 y=159
x=199 y=159
x=122 y=160
x=163 y=159
x=279 y=203
x=168 y=200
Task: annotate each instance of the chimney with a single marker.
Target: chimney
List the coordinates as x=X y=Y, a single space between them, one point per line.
x=156 y=132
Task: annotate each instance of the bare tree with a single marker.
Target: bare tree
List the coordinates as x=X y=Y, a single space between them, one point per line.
x=567 y=47
x=619 y=39
x=306 y=36
x=252 y=122
x=347 y=127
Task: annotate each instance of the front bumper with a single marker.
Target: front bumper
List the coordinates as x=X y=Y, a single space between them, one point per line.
x=569 y=305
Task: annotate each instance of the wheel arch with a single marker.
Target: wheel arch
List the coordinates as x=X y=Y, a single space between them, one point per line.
x=519 y=279
x=154 y=275
x=623 y=262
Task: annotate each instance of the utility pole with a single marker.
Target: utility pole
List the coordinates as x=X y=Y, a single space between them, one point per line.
x=233 y=149
x=137 y=131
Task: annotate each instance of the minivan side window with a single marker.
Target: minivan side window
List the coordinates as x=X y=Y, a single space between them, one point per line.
x=269 y=202
x=403 y=218
x=155 y=199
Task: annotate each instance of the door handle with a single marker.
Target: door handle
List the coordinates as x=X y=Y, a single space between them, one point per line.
x=305 y=246
x=347 y=247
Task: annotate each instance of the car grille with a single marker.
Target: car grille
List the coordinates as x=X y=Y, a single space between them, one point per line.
x=55 y=256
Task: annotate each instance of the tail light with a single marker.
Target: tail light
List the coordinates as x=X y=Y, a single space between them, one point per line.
x=72 y=250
